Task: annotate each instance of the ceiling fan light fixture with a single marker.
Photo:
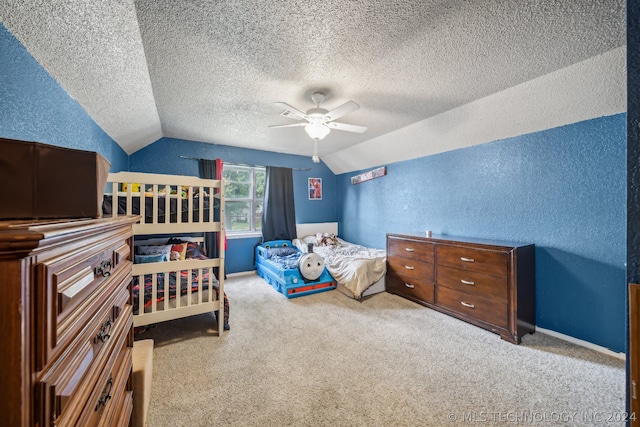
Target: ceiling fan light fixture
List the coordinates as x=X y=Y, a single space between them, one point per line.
x=320 y=121
x=317 y=131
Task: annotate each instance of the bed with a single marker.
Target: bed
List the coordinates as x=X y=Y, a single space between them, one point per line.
x=359 y=271
x=172 y=276
x=290 y=271
x=175 y=205
x=172 y=203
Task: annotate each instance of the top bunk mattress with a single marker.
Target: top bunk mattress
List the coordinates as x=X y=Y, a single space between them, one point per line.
x=163 y=211
x=165 y=203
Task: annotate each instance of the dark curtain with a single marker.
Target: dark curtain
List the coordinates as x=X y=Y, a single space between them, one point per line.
x=279 y=213
x=212 y=169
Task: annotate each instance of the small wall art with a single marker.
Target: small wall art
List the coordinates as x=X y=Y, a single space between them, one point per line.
x=315 y=188
x=373 y=173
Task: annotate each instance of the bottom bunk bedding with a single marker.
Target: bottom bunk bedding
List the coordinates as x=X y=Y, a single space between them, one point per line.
x=356 y=268
x=157 y=291
x=290 y=271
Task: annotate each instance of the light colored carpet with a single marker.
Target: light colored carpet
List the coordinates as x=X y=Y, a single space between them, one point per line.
x=327 y=360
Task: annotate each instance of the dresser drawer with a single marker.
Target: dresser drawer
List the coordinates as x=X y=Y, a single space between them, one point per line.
x=410 y=249
x=109 y=321
x=107 y=398
x=68 y=289
x=108 y=402
x=121 y=410
x=481 y=261
x=491 y=287
x=407 y=267
x=473 y=306
x=124 y=414
x=410 y=287
x=66 y=387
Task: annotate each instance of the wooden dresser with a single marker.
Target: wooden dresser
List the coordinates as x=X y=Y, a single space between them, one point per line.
x=66 y=322
x=488 y=283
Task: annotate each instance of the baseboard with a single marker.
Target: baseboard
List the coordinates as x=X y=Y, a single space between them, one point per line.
x=581 y=343
x=242 y=273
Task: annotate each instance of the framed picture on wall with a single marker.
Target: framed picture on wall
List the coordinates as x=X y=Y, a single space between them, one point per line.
x=315 y=188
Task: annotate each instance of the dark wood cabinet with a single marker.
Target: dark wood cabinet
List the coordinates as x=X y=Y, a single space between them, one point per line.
x=488 y=283
x=66 y=322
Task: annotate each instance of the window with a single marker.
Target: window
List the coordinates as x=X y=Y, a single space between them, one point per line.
x=244 y=197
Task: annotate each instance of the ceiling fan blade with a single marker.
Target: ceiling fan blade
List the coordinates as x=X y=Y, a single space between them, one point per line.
x=294 y=112
x=344 y=109
x=348 y=128
x=288 y=126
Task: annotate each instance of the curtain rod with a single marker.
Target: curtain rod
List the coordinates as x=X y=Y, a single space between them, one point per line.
x=243 y=164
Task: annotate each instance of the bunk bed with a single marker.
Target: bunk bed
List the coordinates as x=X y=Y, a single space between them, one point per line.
x=172 y=275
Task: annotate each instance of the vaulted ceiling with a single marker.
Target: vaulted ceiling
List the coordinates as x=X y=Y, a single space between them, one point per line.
x=211 y=70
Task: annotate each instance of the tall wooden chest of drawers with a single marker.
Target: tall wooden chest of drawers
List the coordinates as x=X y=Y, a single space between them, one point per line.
x=66 y=322
x=488 y=283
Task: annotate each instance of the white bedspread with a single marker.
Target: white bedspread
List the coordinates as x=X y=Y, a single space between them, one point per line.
x=353 y=266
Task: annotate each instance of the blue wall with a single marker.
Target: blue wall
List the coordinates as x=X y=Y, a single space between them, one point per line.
x=164 y=156
x=562 y=189
x=35 y=108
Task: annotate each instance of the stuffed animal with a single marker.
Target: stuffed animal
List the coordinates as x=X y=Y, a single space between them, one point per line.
x=327 y=239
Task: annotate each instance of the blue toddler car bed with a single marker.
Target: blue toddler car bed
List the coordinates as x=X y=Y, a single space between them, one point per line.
x=290 y=271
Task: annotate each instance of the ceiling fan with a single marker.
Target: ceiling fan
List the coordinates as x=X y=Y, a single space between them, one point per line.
x=319 y=121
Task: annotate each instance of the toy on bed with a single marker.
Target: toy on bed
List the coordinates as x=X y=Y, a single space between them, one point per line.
x=290 y=271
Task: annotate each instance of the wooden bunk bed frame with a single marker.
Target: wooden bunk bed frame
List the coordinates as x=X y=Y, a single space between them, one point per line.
x=197 y=219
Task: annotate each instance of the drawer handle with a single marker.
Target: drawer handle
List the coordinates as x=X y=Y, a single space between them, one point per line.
x=104 y=268
x=409 y=285
x=409 y=249
x=106 y=394
x=466 y=304
x=467 y=259
x=104 y=332
x=467 y=282
x=409 y=267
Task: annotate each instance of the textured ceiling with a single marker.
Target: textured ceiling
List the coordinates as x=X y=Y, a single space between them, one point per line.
x=210 y=71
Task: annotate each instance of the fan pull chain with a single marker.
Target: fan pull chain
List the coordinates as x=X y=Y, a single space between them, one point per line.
x=315 y=157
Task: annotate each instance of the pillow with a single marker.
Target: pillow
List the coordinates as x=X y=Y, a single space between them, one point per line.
x=310 y=239
x=155 y=250
x=163 y=250
x=144 y=259
x=181 y=249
